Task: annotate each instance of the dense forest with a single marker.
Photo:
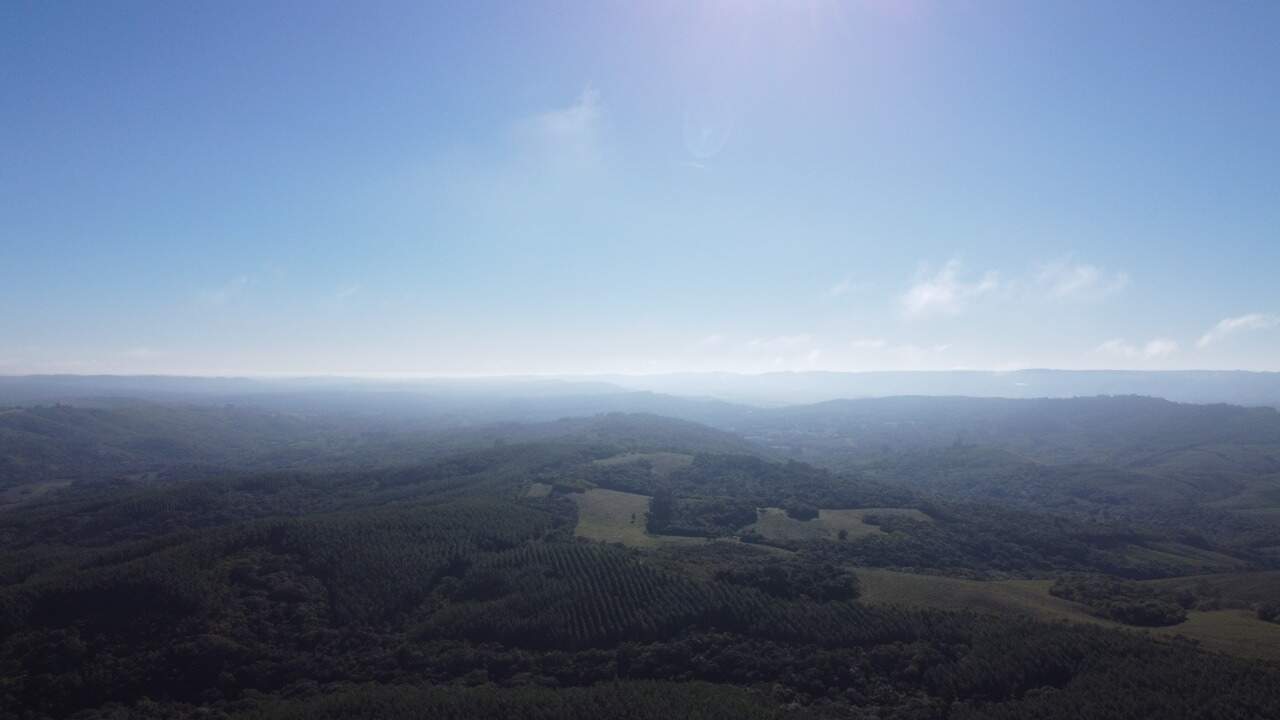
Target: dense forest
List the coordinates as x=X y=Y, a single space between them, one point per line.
x=187 y=560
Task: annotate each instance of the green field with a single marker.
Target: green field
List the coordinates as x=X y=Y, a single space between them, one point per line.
x=775 y=524
x=613 y=516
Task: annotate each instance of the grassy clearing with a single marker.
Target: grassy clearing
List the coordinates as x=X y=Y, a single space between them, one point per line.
x=613 y=516
x=663 y=463
x=537 y=490
x=1261 y=494
x=887 y=587
x=1239 y=590
x=775 y=524
x=31 y=491
x=1193 y=558
x=1271 y=512
x=1234 y=632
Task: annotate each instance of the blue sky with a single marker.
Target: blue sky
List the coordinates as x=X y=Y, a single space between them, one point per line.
x=412 y=188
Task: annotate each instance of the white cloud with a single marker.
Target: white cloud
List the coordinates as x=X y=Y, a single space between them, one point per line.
x=1229 y=326
x=1152 y=349
x=571 y=133
x=1064 y=279
x=945 y=292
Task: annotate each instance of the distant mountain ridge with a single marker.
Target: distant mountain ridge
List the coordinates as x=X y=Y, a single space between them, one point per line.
x=1236 y=387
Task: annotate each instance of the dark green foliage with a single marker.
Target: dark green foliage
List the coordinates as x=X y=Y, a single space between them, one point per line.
x=698 y=516
x=1124 y=429
x=662 y=507
x=61 y=441
x=1144 y=684
x=1269 y=612
x=637 y=700
x=983 y=541
x=800 y=509
x=574 y=595
x=439 y=590
x=718 y=495
x=1125 y=602
x=797 y=486
x=787 y=576
x=794 y=579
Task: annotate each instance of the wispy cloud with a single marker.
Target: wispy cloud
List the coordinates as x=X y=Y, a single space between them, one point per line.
x=226 y=292
x=945 y=292
x=140 y=353
x=707 y=131
x=881 y=345
x=1152 y=349
x=780 y=342
x=1230 y=326
x=868 y=344
x=714 y=340
x=1064 y=278
x=570 y=133
x=844 y=287
x=346 y=291
x=800 y=351
x=1159 y=347
x=878 y=353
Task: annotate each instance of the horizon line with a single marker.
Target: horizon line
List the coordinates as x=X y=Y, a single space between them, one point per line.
x=362 y=375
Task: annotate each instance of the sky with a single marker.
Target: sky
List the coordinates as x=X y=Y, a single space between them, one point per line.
x=600 y=187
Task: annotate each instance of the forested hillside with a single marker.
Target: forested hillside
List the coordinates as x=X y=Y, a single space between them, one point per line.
x=110 y=439
x=243 y=563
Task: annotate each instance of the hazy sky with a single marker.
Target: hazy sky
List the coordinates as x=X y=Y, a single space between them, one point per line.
x=419 y=187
